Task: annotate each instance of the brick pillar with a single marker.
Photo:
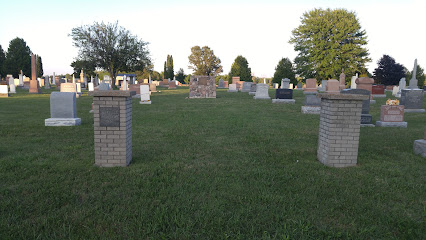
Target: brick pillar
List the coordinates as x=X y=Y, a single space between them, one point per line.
x=340 y=119
x=112 y=127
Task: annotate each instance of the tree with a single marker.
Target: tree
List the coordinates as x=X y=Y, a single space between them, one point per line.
x=2 y=59
x=240 y=69
x=18 y=57
x=39 y=67
x=87 y=66
x=169 y=71
x=284 y=69
x=327 y=41
x=388 y=71
x=180 y=76
x=111 y=48
x=204 y=62
x=420 y=76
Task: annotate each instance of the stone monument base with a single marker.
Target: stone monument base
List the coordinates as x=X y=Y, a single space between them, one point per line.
x=58 y=122
x=288 y=101
x=391 y=124
x=261 y=97
x=4 y=95
x=420 y=147
x=145 y=102
x=136 y=96
x=252 y=93
x=372 y=101
x=232 y=90
x=367 y=125
x=311 y=110
x=379 y=95
x=414 y=110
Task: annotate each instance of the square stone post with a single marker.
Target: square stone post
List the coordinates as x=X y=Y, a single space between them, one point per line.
x=112 y=127
x=339 y=129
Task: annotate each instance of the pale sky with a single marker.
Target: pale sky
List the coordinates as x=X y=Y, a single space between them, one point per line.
x=257 y=30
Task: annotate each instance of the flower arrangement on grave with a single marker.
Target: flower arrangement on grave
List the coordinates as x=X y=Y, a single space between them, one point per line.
x=392 y=102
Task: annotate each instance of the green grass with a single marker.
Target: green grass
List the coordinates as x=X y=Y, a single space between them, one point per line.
x=225 y=168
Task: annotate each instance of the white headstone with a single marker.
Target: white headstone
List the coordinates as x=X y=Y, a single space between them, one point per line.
x=395 y=90
x=285 y=83
x=54 y=78
x=276 y=85
x=233 y=88
x=4 y=89
x=78 y=86
x=402 y=85
x=21 y=79
x=290 y=86
x=262 y=91
x=91 y=88
x=145 y=99
x=150 y=81
x=73 y=79
x=353 y=83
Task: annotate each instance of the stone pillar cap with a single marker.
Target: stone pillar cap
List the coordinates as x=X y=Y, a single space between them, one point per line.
x=339 y=96
x=112 y=93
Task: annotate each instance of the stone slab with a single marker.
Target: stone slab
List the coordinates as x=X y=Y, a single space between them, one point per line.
x=420 y=147
x=145 y=102
x=63 y=105
x=59 y=122
x=414 y=110
x=261 y=97
x=110 y=93
x=287 y=101
x=367 y=125
x=311 y=110
x=391 y=124
x=379 y=95
x=252 y=93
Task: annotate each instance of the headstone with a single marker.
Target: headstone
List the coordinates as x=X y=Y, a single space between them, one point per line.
x=299 y=86
x=104 y=87
x=144 y=93
x=391 y=116
x=54 y=79
x=246 y=86
x=34 y=86
x=226 y=84
x=413 y=81
x=112 y=127
x=202 y=87
x=149 y=80
x=284 y=95
x=4 y=91
x=232 y=87
x=412 y=99
x=78 y=88
x=69 y=87
x=96 y=83
x=402 y=85
x=339 y=129
x=221 y=83
x=136 y=88
x=291 y=86
x=276 y=85
x=367 y=84
x=21 y=79
x=285 y=83
x=91 y=87
x=152 y=87
x=366 y=118
x=311 y=86
x=342 y=80
x=46 y=83
x=395 y=90
x=172 y=85
x=378 y=91
x=332 y=86
x=253 y=89
x=63 y=110
x=12 y=85
x=420 y=146
x=262 y=91
x=353 y=83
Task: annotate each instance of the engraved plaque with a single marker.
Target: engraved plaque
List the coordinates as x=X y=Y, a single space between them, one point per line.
x=109 y=116
x=203 y=81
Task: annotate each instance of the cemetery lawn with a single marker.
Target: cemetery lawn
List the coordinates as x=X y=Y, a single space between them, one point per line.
x=225 y=168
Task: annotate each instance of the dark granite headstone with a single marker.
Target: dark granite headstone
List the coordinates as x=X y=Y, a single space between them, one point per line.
x=109 y=116
x=366 y=117
x=284 y=93
x=412 y=98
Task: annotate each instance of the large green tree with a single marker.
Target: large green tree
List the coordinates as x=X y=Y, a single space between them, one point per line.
x=284 y=69
x=388 y=72
x=111 y=47
x=180 y=76
x=169 y=71
x=204 y=62
x=18 y=57
x=420 y=76
x=240 y=69
x=39 y=66
x=87 y=66
x=2 y=59
x=327 y=41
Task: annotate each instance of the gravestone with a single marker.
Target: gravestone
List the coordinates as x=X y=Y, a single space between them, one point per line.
x=54 y=79
x=12 y=85
x=402 y=85
x=21 y=79
x=299 y=86
x=395 y=90
x=202 y=87
x=252 y=89
x=78 y=89
x=262 y=91
x=152 y=87
x=412 y=99
x=233 y=88
x=311 y=86
x=342 y=80
x=104 y=87
x=144 y=93
x=323 y=86
x=413 y=81
x=226 y=84
x=339 y=129
x=367 y=84
x=284 y=95
x=285 y=83
x=91 y=87
x=291 y=86
x=276 y=85
x=34 y=86
x=4 y=91
x=221 y=83
x=378 y=91
x=246 y=86
x=69 y=87
x=46 y=83
x=353 y=83
x=420 y=146
x=172 y=85
x=366 y=118
x=112 y=127
x=63 y=110
x=391 y=116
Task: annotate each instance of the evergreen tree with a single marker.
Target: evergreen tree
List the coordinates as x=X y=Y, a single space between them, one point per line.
x=180 y=76
x=284 y=69
x=420 y=76
x=168 y=68
x=240 y=69
x=2 y=59
x=39 y=67
x=388 y=71
x=204 y=62
x=18 y=58
x=327 y=41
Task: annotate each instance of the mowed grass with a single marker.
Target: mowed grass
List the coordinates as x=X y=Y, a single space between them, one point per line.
x=224 y=168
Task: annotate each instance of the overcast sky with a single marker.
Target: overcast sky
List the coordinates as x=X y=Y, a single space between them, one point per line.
x=257 y=30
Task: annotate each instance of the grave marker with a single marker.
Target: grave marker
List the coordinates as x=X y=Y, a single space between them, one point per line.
x=63 y=110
